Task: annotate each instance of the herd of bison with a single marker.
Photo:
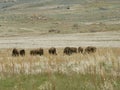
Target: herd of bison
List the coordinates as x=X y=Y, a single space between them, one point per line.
x=53 y=51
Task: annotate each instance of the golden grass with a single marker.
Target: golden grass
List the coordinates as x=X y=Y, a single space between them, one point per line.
x=104 y=61
x=97 y=71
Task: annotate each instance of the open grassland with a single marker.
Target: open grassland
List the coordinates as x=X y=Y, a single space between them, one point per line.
x=97 y=71
x=61 y=16
x=59 y=23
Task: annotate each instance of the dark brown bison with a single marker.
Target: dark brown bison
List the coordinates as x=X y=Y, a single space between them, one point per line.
x=70 y=50
x=15 y=52
x=90 y=49
x=67 y=51
x=73 y=49
x=41 y=51
x=52 y=51
x=37 y=52
x=80 y=50
x=22 y=52
x=33 y=52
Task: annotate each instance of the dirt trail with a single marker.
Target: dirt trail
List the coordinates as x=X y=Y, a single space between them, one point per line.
x=101 y=39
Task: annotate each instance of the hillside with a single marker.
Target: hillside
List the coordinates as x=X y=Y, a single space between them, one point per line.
x=26 y=17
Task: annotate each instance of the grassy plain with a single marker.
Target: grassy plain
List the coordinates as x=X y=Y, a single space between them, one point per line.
x=98 y=71
x=28 y=18
x=60 y=16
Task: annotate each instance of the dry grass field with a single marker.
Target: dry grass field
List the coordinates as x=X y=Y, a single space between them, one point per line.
x=97 y=71
x=30 y=24
x=79 y=63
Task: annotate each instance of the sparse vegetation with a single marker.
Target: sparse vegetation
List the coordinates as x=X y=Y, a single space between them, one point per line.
x=81 y=17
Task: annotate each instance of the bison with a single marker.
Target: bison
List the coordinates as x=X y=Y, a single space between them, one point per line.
x=40 y=51
x=80 y=50
x=15 y=52
x=70 y=50
x=22 y=52
x=52 y=51
x=73 y=49
x=67 y=51
x=37 y=52
x=90 y=49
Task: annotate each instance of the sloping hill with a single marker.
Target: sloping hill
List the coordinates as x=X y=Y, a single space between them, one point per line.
x=58 y=16
x=12 y=3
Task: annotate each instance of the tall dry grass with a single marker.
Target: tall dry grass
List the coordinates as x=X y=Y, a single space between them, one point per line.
x=103 y=67
x=104 y=61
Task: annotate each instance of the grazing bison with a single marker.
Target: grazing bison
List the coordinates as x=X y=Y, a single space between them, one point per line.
x=15 y=52
x=90 y=49
x=80 y=50
x=40 y=51
x=22 y=52
x=70 y=50
x=73 y=49
x=37 y=52
x=33 y=52
x=67 y=51
x=52 y=51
